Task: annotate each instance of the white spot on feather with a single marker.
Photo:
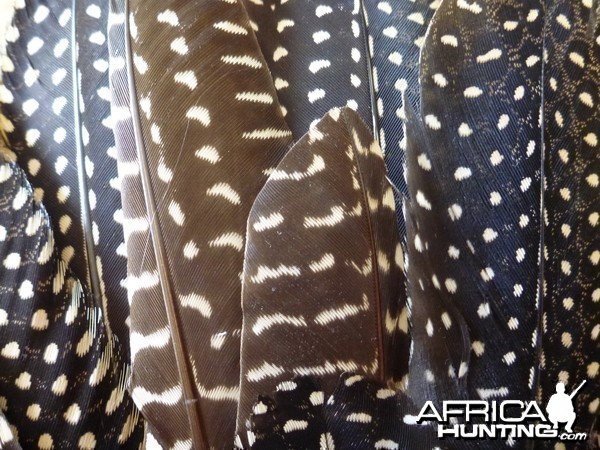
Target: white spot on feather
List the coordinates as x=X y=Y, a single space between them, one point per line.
x=316 y=94
x=197 y=302
x=242 y=60
x=234 y=240
x=464 y=130
x=187 y=78
x=226 y=191
x=230 y=27
x=143 y=397
x=294 y=425
x=264 y=273
x=473 y=92
x=432 y=122
x=178 y=45
x=190 y=250
x=462 y=173
x=422 y=201
x=257 y=97
x=359 y=417
x=271 y=221
x=200 y=114
x=327 y=261
x=563 y=21
x=208 y=153
x=176 y=213
x=168 y=16
x=266 y=322
x=267 y=133
x=448 y=39
x=266 y=370
x=319 y=64
x=335 y=217
x=440 y=80
x=316 y=166
x=489 y=56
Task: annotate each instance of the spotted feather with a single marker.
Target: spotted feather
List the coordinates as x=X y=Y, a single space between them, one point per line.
x=317 y=55
x=396 y=32
x=360 y=413
x=57 y=118
x=488 y=133
x=571 y=296
x=63 y=379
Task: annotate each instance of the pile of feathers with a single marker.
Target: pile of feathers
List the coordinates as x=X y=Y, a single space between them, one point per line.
x=288 y=224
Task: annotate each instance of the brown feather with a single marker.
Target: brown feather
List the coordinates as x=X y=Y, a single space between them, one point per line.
x=204 y=130
x=323 y=274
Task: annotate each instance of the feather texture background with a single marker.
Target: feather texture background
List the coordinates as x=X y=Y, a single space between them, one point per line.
x=207 y=130
x=307 y=294
x=205 y=99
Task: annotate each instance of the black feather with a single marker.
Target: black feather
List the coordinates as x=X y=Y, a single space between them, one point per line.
x=317 y=55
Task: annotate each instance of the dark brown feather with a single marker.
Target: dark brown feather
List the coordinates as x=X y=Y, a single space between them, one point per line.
x=199 y=129
x=323 y=272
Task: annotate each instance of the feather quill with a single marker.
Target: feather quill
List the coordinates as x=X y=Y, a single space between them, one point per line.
x=439 y=335
x=105 y=232
x=200 y=129
x=323 y=271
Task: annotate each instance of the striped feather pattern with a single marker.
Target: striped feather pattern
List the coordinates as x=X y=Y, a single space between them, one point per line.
x=308 y=294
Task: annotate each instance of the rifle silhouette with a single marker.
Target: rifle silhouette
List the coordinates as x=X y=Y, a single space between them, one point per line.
x=574 y=393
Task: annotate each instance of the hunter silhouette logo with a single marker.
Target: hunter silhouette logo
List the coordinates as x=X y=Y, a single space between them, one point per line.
x=560 y=407
x=505 y=419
